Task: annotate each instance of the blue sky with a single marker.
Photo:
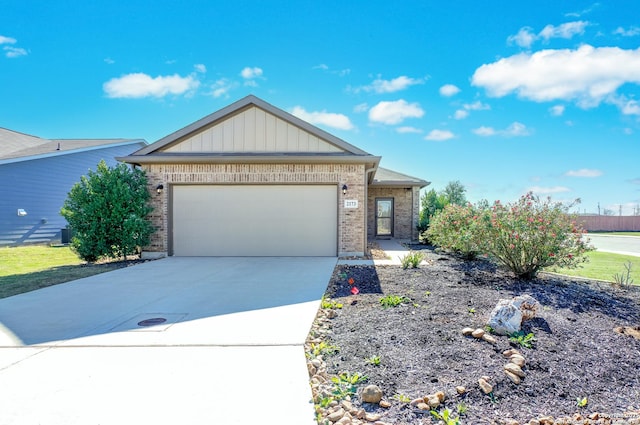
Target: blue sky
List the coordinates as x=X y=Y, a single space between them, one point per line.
x=506 y=97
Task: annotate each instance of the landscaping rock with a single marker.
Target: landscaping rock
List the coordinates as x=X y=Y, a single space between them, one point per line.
x=440 y=395
x=515 y=369
x=508 y=315
x=467 y=331
x=372 y=394
x=336 y=416
x=460 y=389
x=514 y=378
x=385 y=404
x=372 y=417
x=517 y=359
x=478 y=333
x=485 y=386
x=423 y=406
x=489 y=338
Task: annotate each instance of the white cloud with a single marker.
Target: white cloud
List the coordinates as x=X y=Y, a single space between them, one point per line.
x=583 y=172
x=390 y=86
x=516 y=129
x=557 y=110
x=222 y=87
x=476 y=106
x=586 y=75
x=7 y=40
x=338 y=72
x=329 y=119
x=395 y=112
x=484 y=131
x=629 y=32
x=461 y=114
x=524 y=38
x=139 y=85
x=200 y=68
x=449 y=90
x=14 y=52
x=626 y=106
x=361 y=107
x=548 y=190
x=566 y=30
x=407 y=129
x=249 y=73
x=439 y=135
x=109 y=61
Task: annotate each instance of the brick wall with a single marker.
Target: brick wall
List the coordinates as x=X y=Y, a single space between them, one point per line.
x=351 y=226
x=406 y=208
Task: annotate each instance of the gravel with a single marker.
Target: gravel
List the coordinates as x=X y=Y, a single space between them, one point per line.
x=422 y=350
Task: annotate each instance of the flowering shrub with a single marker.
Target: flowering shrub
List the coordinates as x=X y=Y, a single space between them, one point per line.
x=456 y=228
x=525 y=236
x=531 y=234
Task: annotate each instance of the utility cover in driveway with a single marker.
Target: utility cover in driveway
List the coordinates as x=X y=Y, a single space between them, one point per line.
x=255 y=220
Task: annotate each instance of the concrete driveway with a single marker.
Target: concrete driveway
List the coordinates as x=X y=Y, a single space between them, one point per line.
x=230 y=348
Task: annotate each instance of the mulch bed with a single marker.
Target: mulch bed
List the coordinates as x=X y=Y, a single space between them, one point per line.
x=577 y=353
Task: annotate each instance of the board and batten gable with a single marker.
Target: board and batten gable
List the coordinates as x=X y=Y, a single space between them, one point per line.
x=254 y=130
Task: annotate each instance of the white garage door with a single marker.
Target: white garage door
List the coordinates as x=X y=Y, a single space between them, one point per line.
x=254 y=220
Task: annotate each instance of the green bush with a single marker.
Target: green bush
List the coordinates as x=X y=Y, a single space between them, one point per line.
x=456 y=228
x=432 y=202
x=107 y=211
x=532 y=234
x=525 y=236
x=412 y=259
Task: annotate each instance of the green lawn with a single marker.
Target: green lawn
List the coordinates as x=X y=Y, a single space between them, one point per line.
x=603 y=266
x=618 y=233
x=27 y=268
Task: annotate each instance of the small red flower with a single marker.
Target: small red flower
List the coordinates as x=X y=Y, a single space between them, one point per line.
x=355 y=290
x=551 y=254
x=351 y=281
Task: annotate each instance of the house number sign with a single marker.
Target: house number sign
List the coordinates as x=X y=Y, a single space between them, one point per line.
x=351 y=203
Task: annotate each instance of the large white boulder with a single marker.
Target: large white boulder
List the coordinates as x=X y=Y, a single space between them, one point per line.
x=508 y=315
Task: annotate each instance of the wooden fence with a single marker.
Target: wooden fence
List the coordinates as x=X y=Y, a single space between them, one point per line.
x=610 y=223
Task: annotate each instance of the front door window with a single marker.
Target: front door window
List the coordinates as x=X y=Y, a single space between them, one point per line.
x=384 y=217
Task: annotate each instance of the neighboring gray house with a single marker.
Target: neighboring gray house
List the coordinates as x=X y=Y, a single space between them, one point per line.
x=37 y=174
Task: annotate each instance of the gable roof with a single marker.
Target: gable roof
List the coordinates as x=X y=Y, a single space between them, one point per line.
x=220 y=137
x=15 y=146
x=385 y=177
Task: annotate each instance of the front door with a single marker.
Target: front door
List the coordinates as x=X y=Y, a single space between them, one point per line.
x=384 y=217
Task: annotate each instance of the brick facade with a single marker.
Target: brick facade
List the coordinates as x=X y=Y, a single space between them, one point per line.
x=351 y=231
x=406 y=210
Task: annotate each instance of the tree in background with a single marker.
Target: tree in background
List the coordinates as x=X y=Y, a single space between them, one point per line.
x=432 y=202
x=107 y=211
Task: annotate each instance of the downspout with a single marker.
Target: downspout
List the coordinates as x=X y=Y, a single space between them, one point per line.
x=367 y=171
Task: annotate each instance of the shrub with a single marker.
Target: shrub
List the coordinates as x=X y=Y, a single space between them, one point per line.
x=432 y=202
x=531 y=234
x=525 y=236
x=456 y=228
x=412 y=259
x=107 y=211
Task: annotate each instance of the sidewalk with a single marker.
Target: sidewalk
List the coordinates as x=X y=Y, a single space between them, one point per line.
x=393 y=248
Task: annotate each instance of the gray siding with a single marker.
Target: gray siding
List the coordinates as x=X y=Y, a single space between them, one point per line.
x=40 y=186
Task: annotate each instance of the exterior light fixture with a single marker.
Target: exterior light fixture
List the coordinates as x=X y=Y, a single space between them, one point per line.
x=344 y=189
x=21 y=212
x=159 y=189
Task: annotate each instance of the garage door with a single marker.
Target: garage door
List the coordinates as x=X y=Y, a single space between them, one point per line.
x=254 y=220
